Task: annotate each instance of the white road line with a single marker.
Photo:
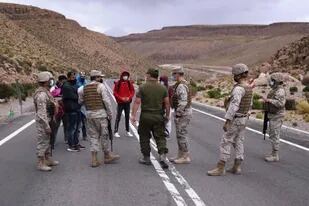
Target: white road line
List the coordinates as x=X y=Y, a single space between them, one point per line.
x=165 y=179
x=255 y=131
x=9 y=137
x=181 y=180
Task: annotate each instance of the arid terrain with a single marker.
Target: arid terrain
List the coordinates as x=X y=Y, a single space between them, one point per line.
x=221 y=45
x=33 y=39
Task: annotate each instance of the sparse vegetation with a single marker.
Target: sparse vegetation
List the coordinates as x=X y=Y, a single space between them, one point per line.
x=256 y=104
x=214 y=93
x=259 y=115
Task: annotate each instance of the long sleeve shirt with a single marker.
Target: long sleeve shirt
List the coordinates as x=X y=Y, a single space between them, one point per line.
x=182 y=95
x=236 y=96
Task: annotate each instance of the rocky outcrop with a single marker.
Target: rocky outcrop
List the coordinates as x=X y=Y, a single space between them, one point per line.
x=292 y=58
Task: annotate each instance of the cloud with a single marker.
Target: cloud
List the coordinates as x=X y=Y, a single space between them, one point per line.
x=119 y=17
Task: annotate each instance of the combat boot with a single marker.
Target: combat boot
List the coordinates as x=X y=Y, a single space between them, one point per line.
x=177 y=157
x=219 y=170
x=145 y=160
x=109 y=157
x=183 y=159
x=273 y=157
x=236 y=169
x=50 y=162
x=162 y=161
x=42 y=166
x=94 y=159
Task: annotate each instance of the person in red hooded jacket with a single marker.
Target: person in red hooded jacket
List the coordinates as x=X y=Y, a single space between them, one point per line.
x=123 y=92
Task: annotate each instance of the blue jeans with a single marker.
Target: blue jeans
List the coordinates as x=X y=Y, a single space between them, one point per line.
x=72 y=128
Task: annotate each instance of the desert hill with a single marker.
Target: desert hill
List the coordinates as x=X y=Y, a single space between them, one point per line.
x=292 y=58
x=33 y=39
x=220 y=45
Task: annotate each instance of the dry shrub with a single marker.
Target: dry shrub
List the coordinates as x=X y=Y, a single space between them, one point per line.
x=303 y=107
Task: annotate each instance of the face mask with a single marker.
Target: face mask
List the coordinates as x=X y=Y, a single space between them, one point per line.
x=271 y=83
x=125 y=78
x=101 y=80
x=82 y=79
x=173 y=78
x=162 y=83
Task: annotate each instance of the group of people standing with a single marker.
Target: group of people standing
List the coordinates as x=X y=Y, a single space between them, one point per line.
x=69 y=100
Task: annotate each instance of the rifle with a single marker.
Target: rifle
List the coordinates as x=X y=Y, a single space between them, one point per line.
x=110 y=133
x=265 y=123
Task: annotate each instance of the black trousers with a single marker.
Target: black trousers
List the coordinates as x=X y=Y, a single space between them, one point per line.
x=120 y=108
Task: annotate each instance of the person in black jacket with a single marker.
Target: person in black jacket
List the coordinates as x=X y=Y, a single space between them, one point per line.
x=72 y=111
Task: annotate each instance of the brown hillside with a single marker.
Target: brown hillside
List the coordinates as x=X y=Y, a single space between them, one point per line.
x=214 y=45
x=292 y=58
x=33 y=39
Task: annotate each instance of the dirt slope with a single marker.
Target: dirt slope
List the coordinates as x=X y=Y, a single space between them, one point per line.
x=33 y=39
x=221 y=45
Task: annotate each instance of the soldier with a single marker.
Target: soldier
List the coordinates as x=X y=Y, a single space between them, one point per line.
x=275 y=106
x=181 y=102
x=237 y=115
x=44 y=106
x=150 y=96
x=99 y=111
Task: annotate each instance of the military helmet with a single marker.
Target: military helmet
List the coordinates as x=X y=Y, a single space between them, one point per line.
x=277 y=77
x=179 y=70
x=238 y=69
x=44 y=76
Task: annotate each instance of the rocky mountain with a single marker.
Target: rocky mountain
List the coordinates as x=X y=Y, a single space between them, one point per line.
x=292 y=58
x=33 y=39
x=221 y=45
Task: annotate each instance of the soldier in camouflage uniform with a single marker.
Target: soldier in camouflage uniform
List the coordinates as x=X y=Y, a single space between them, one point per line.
x=181 y=102
x=237 y=115
x=275 y=106
x=99 y=111
x=45 y=107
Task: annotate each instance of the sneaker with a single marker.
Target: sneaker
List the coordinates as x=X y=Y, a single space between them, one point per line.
x=129 y=134
x=72 y=149
x=116 y=135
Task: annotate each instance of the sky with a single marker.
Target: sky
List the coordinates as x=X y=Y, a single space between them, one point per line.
x=122 y=17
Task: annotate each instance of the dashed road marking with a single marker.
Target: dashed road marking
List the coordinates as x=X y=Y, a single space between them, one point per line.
x=162 y=174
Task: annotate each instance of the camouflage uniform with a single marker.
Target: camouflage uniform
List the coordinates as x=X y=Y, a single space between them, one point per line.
x=45 y=107
x=97 y=124
x=99 y=110
x=43 y=101
x=275 y=106
x=235 y=135
x=183 y=115
x=237 y=115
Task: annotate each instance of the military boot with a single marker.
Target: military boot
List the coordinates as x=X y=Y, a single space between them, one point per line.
x=236 y=169
x=273 y=157
x=109 y=157
x=219 y=170
x=145 y=160
x=50 y=162
x=162 y=161
x=42 y=165
x=94 y=159
x=177 y=157
x=183 y=159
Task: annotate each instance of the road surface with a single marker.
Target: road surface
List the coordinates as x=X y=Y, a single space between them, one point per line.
x=128 y=183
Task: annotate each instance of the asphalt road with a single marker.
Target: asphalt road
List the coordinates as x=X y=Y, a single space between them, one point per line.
x=128 y=183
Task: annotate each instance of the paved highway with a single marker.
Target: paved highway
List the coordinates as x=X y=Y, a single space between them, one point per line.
x=128 y=183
